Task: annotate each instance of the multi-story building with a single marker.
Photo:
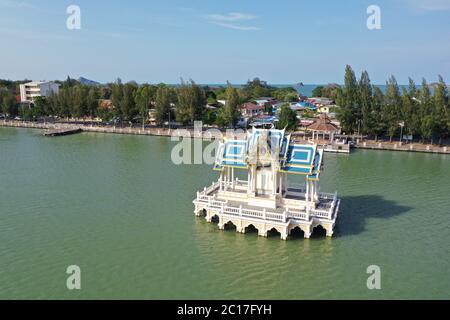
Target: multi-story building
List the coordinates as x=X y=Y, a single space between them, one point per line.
x=32 y=90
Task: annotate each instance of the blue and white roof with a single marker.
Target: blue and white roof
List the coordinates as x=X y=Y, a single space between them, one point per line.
x=300 y=159
x=232 y=153
x=293 y=158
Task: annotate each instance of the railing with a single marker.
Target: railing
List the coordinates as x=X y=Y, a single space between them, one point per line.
x=301 y=213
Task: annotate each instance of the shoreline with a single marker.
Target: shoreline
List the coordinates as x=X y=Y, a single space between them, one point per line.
x=161 y=132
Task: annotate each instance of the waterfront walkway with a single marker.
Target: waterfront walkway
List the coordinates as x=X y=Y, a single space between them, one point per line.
x=412 y=147
x=397 y=146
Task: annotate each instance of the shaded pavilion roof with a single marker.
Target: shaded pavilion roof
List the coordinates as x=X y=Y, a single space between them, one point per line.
x=323 y=124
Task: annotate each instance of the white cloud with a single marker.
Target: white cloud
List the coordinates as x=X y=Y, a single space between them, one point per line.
x=232 y=21
x=233 y=16
x=431 y=5
x=17 y=4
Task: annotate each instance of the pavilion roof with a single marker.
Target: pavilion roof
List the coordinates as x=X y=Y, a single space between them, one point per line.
x=323 y=124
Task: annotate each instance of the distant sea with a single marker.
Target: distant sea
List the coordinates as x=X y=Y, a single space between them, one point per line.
x=305 y=90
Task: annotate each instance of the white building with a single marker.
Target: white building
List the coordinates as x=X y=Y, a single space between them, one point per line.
x=32 y=90
x=267 y=200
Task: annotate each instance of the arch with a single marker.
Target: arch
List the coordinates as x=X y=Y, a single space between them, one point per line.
x=297 y=233
x=319 y=231
x=273 y=232
x=215 y=219
x=229 y=225
x=251 y=228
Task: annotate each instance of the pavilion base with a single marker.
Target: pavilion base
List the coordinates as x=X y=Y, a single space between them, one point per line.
x=284 y=220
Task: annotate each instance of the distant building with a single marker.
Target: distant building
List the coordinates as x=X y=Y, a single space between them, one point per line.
x=323 y=126
x=30 y=91
x=265 y=100
x=106 y=104
x=321 y=102
x=251 y=109
x=152 y=117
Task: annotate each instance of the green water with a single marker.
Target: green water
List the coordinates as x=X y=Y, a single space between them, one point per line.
x=117 y=207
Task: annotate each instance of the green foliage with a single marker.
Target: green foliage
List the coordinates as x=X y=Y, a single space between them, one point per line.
x=9 y=105
x=256 y=88
x=209 y=117
x=230 y=113
x=287 y=119
x=143 y=98
x=191 y=102
x=317 y=92
x=349 y=113
x=162 y=104
x=288 y=94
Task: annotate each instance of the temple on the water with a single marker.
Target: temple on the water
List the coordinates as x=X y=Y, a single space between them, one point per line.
x=267 y=200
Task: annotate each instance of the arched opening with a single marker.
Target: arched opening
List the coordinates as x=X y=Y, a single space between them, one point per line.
x=319 y=232
x=273 y=232
x=202 y=213
x=229 y=226
x=215 y=219
x=297 y=233
x=251 y=229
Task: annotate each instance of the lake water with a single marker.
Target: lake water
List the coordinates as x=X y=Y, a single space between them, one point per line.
x=117 y=207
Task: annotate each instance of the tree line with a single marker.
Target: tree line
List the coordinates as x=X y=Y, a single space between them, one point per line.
x=184 y=103
x=418 y=111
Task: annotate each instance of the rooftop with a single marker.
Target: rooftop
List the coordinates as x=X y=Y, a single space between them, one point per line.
x=323 y=124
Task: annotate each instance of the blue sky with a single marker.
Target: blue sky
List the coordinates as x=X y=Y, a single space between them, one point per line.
x=212 y=41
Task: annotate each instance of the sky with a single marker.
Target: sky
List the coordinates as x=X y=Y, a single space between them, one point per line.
x=214 y=41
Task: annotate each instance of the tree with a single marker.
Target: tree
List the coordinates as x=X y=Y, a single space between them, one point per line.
x=40 y=107
x=143 y=98
x=209 y=117
x=441 y=112
x=231 y=112
x=365 y=98
x=392 y=109
x=287 y=119
x=427 y=121
x=317 y=92
x=349 y=113
x=411 y=109
x=128 y=105
x=288 y=94
x=191 y=102
x=256 y=88
x=79 y=104
x=92 y=102
x=9 y=105
x=378 y=102
x=162 y=104
x=117 y=97
x=426 y=127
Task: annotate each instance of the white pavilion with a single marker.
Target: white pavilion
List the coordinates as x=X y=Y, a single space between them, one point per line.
x=267 y=200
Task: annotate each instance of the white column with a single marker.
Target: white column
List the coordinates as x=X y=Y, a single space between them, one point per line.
x=307 y=191
x=274 y=182
x=232 y=177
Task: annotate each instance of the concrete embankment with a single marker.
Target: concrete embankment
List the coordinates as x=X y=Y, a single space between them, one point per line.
x=208 y=134
x=410 y=147
x=117 y=130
